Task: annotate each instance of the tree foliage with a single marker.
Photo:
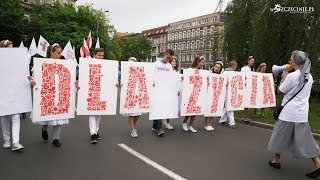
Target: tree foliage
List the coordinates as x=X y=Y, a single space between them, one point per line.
x=12 y=23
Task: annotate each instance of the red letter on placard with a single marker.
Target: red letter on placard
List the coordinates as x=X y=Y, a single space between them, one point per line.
x=236 y=84
x=192 y=104
x=94 y=102
x=48 y=89
x=253 y=99
x=137 y=76
x=217 y=88
x=267 y=91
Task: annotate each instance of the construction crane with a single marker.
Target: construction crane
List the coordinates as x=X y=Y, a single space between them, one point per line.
x=220 y=6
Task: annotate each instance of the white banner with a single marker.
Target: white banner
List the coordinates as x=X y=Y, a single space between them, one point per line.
x=236 y=87
x=15 y=91
x=98 y=92
x=216 y=95
x=137 y=81
x=165 y=96
x=194 y=92
x=55 y=90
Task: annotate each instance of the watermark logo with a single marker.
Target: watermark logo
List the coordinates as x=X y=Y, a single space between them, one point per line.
x=278 y=8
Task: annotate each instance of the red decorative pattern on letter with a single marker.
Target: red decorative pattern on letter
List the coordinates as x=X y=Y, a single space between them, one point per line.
x=48 y=89
x=253 y=99
x=192 y=104
x=137 y=76
x=94 y=103
x=217 y=88
x=267 y=91
x=236 y=84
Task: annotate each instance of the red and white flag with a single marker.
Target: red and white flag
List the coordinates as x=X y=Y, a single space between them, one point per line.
x=68 y=52
x=42 y=46
x=84 y=50
x=89 y=41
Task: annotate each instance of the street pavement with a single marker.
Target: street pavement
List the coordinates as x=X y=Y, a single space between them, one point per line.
x=224 y=154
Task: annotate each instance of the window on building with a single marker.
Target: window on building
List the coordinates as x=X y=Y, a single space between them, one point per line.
x=204 y=31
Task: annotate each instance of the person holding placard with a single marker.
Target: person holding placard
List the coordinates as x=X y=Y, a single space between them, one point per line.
x=217 y=68
x=228 y=115
x=174 y=64
x=247 y=68
x=94 y=120
x=54 y=52
x=162 y=65
x=198 y=63
x=133 y=117
x=15 y=118
x=261 y=69
x=292 y=135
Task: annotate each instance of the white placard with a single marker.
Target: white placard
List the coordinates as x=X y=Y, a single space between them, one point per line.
x=194 y=92
x=236 y=87
x=269 y=95
x=165 y=96
x=254 y=87
x=137 y=81
x=55 y=90
x=15 y=91
x=98 y=92
x=216 y=95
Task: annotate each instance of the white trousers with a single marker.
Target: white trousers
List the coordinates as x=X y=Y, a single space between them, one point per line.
x=5 y=124
x=56 y=130
x=228 y=115
x=94 y=122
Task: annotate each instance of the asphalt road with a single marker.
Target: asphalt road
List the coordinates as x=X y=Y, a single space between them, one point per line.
x=224 y=154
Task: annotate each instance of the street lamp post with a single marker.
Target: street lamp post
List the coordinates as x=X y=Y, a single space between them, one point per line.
x=98 y=20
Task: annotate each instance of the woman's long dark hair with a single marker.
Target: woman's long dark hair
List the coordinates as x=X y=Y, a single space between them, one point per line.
x=246 y=64
x=177 y=66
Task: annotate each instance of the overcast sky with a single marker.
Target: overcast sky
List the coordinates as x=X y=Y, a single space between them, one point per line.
x=139 y=15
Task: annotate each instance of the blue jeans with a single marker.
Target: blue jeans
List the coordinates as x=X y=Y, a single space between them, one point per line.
x=157 y=124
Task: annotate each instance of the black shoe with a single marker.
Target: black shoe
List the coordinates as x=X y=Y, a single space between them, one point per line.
x=223 y=123
x=44 y=135
x=314 y=174
x=275 y=165
x=94 y=139
x=160 y=132
x=98 y=137
x=56 y=143
x=24 y=116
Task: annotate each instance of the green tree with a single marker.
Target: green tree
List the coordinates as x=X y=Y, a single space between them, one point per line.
x=61 y=23
x=139 y=47
x=13 y=23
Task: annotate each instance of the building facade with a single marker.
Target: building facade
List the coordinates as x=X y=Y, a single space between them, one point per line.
x=158 y=37
x=72 y=2
x=199 y=36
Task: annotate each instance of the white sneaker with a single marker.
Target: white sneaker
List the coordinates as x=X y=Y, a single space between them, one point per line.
x=207 y=128
x=185 y=126
x=134 y=133
x=211 y=128
x=192 y=130
x=17 y=147
x=168 y=126
x=6 y=144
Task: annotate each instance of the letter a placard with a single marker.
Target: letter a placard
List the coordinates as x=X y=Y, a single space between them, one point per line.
x=97 y=94
x=54 y=93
